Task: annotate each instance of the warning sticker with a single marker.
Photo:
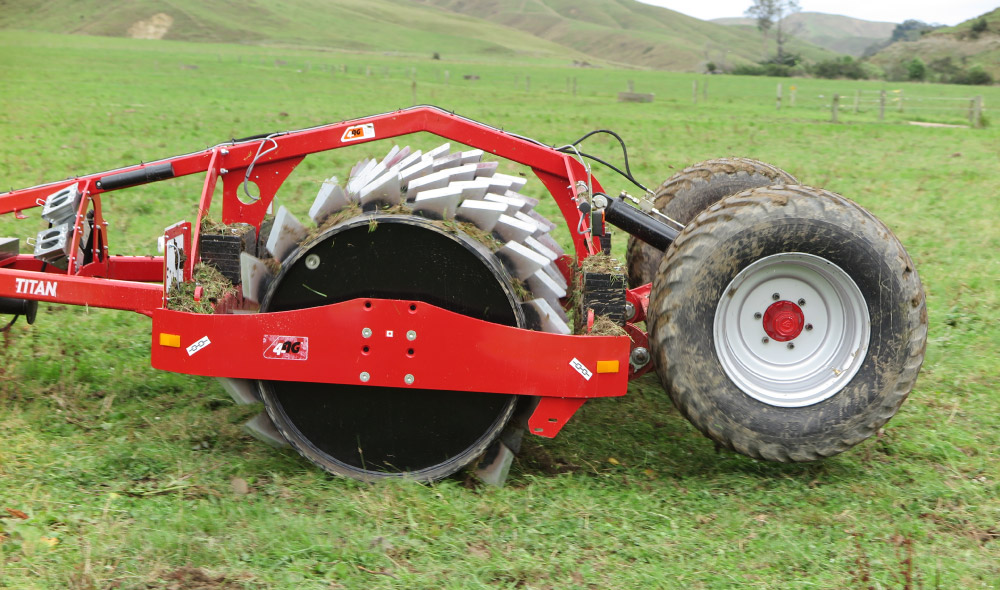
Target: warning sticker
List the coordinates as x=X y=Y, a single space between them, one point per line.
x=286 y=348
x=358 y=132
x=201 y=343
x=581 y=368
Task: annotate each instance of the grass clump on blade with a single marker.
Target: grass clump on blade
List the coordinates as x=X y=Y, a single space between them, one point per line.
x=215 y=288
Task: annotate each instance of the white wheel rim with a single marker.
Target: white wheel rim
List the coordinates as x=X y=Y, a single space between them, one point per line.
x=816 y=363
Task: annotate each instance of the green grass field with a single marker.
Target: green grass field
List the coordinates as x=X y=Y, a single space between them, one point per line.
x=125 y=473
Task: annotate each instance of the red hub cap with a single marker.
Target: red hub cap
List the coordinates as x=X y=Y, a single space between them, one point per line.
x=783 y=321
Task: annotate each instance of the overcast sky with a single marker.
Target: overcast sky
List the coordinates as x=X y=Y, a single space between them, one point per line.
x=951 y=12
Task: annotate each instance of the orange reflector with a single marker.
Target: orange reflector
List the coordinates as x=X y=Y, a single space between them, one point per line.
x=607 y=366
x=173 y=340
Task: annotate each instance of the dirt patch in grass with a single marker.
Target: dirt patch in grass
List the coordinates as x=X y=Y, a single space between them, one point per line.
x=192 y=578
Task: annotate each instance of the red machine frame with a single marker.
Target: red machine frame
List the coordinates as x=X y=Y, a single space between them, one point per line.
x=564 y=371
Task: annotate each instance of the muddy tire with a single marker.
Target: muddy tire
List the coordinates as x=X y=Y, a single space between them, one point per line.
x=787 y=323
x=692 y=190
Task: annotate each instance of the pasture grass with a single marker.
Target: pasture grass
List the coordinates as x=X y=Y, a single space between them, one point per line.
x=133 y=478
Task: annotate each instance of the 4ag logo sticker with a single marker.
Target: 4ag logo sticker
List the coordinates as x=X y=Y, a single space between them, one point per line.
x=286 y=348
x=359 y=132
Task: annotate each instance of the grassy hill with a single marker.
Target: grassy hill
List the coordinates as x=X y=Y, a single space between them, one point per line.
x=601 y=31
x=950 y=48
x=626 y=31
x=359 y=25
x=834 y=32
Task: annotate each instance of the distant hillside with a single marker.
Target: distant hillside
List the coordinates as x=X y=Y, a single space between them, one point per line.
x=599 y=31
x=362 y=25
x=948 y=50
x=626 y=31
x=837 y=33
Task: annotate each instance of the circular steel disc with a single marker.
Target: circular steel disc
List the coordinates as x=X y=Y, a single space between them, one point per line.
x=369 y=432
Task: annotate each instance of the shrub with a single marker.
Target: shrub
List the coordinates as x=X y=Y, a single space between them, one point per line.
x=975 y=76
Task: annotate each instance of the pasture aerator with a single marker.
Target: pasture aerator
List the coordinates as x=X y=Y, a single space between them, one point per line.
x=429 y=317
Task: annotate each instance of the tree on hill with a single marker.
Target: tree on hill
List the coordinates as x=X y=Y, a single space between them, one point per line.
x=769 y=14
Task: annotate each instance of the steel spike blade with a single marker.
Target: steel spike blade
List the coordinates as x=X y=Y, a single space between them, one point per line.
x=254 y=276
x=242 y=391
x=262 y=428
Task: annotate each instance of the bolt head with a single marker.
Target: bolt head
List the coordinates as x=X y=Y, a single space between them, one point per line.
x=765 y=340
x=367 y=332
x=312 y=262
x=411 y=335
x=408 y=379
x=365 y=377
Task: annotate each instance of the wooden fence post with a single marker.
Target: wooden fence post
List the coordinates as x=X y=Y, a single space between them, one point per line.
x=881 y=106
x=857 y=99
x=631 y=86
x=977 y=112
x=778 y=99
x=834 y=106
x=694 y=92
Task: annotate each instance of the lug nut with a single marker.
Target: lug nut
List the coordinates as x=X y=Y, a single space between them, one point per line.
x=639 y=357
x=757 y=316
x=802 y=302
x=809 y=327
x=765 y=339
x=790 y=346
x=776 y=296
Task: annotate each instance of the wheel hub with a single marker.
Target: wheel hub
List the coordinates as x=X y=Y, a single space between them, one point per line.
x=783 y=321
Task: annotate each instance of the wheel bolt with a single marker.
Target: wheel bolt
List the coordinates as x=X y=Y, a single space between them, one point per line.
x=802 y=302
x=765 y=340
x=757 y=316
x=790 y=346
x=776 y=296
x=809 y=327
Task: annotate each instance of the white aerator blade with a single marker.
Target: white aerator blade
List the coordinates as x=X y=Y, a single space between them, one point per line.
x=483 y=214
x=486 y=169
x=384 y=189
x=439 y=202
x=542 y=285
x=548 y=319
x=409 y=159
x=241 y=390
x=555 y=274
x=547 y=241
x=520 y=260
x=541 y=220
x=415 y=170
x=358 y=184
x=513 y=204
x=255 y=277
x=499 y=184
x=330 y=199
x=466 y=172
x=431 y=181
x=449 y=161
x=261 y=428
x=359 y=176
x=358 y=167
x=472 y=189
x=516 y=182
x=438 y=151
x=539 y=247
x=531 y=201
x=388 y=159
x=526 y=219
x=472 y=156
x=286 y=233
x=512 y=228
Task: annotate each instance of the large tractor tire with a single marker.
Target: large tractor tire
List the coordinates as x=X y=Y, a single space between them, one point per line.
x=787 y=323
x=439 y=228
x=692 y=190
